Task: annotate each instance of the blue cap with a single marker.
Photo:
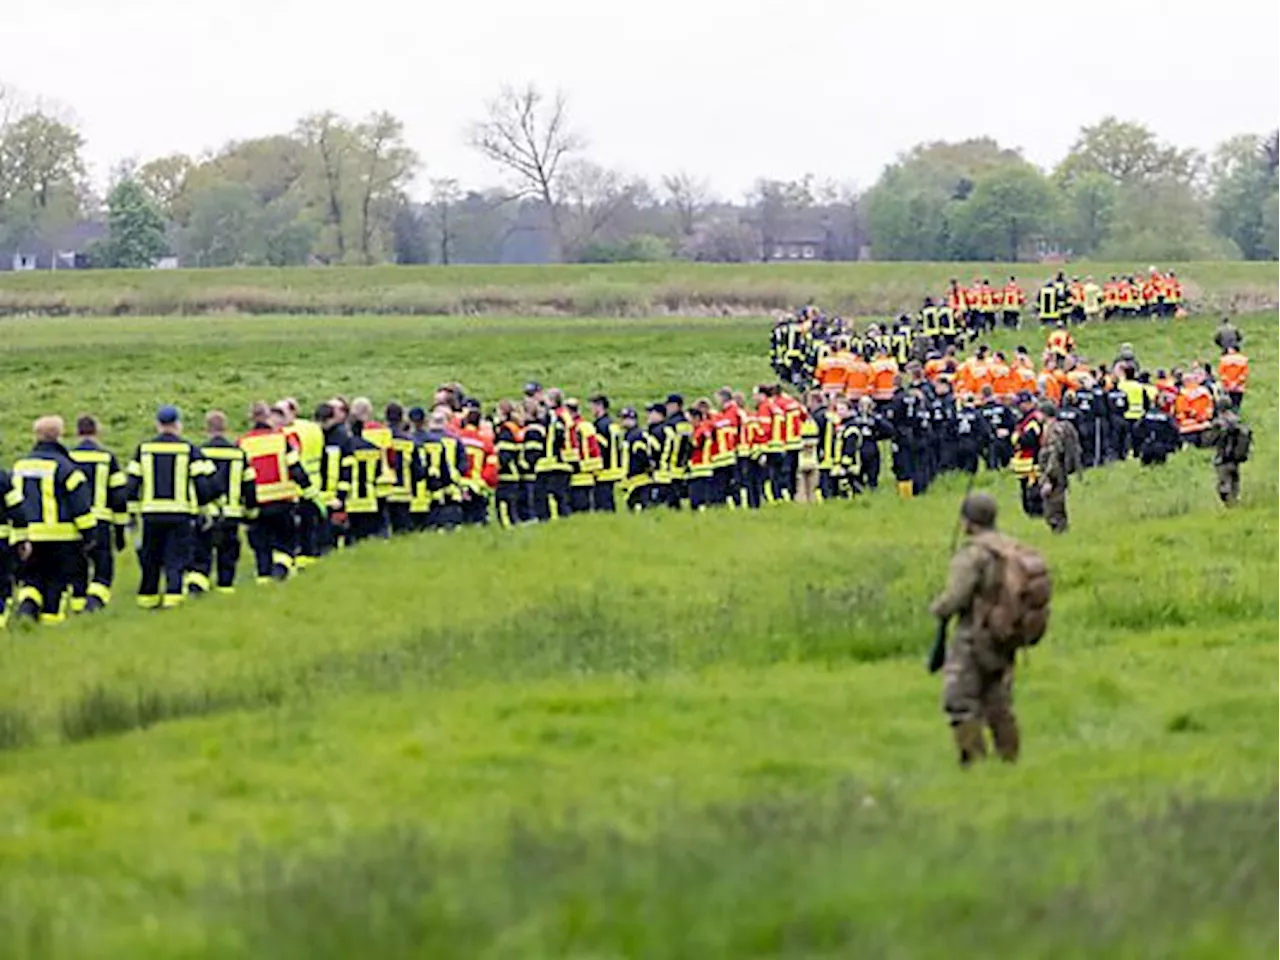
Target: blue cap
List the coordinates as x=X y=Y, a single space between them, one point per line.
x=416 y=414
x=168 y=414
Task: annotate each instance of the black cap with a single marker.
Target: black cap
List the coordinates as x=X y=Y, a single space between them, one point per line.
x=532 y=387
x=656 y=408
x=675 y=398
x=628 y=413
x=417 y=414
x=1023 y=397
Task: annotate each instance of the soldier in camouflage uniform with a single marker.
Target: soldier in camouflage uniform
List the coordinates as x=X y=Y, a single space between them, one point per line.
x=978 y=686
x=1058 y=458
x=1230 y=439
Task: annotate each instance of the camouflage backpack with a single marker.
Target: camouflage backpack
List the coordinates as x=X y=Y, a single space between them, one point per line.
x=1236 y=444
x=1016 y=613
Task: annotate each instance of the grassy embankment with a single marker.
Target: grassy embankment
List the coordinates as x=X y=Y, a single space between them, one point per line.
x=612 y=290
x=658 y=735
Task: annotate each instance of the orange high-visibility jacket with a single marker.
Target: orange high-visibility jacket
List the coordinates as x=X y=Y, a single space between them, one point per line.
x=1233 y=371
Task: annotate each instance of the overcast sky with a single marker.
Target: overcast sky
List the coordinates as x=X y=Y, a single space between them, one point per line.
x=726 y=90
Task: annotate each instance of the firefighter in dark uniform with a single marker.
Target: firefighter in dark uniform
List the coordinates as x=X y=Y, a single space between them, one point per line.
x=554 y=466
x=362 y=466
x=658 y=429
x=95 y=572
x=443 y=461
x=678 y=450
x=636 y=461
x=56 y=524
x=279 y=479
x=611 y=437
x=216 y=549
x=535 y=445
x=509 y=443
x=401 y=471
x=331 y=488
x=13 y=533
x=169 y=480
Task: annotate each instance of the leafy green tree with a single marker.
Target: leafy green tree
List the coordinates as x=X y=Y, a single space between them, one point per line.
x=1271 y=225
x=1127 y=153
x=224 y=227
x=42 y=175
x=1087 y=207
x=1165 y=220
x=165 y=180
x=135 y=228
x=1007 y=208
x=912 y=211
x=1243 y=183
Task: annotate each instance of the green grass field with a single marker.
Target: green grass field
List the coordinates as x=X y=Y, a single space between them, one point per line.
x=581 y=290
x=659 y=736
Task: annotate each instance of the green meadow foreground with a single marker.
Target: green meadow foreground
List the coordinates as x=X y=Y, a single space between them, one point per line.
x=664 y=735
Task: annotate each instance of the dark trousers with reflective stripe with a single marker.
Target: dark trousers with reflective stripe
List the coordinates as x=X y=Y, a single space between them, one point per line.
x=165 y=550
x=44 y=579
x=551 y=495
x=508 y=502
x=217 y=547
x=273 y=538
x=96 y=565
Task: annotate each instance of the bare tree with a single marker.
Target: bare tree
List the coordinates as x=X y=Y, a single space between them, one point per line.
x=593 y=196
x=688 y=196
x=445 y=195
x=530 y=137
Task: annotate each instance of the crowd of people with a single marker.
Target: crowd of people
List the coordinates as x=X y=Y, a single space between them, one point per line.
x=302 y=487
x=963 y=314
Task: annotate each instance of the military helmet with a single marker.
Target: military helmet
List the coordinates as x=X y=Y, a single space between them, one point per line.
x=980 y=509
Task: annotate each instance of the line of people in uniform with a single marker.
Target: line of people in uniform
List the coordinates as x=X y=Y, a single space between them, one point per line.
x=303 y=487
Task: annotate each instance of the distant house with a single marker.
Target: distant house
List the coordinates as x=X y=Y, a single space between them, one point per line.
x=66 y=249
x=795 y=243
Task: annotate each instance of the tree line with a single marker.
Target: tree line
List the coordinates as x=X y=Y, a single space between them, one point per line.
x=340 y=190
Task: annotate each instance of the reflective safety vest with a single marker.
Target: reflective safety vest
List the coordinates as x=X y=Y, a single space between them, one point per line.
x=1193 y=410
x=1233 y=371
x=810 y=440
x=362 y=468
x=947 y=320
x=271 y=456
x=725 y=425
x=929 y=325
x=309 y=439
x=883 y=371
x=1135 y=395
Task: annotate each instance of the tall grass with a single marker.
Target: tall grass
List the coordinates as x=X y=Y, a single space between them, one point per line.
x=664 y=735
x=582 y=290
